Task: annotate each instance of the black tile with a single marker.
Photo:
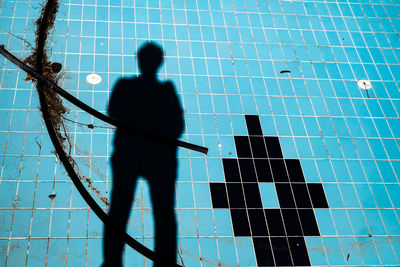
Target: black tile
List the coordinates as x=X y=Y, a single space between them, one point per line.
x=247 y=170
x=252 y=194
x=263 y=170
x=231 y=170
x=242 y=146
x=317 y=194
x=240 y=222
x=258 y=147
x=253 y=125
x=263 y=251
x=273 y=147
x=235 y=195
x=275 y=223
x=299 y=251
x=301 y=196
x=218 y=195
x=279 y=170
x=294 y=170
x=281 y=251
x=285 y=196
x=292 y=222
x=257 y=222
x=308 y=222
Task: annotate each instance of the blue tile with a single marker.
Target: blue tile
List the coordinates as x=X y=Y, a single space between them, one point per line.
x=391 y=148
x=209 y=251
x=59 y=223
x=37 y=252
x=223 y=224
x=356 y=171
x=349 y=195
x=394 y=193
x=223 y=124
x=185 y=195
x=245 y=251
x=204 y=219
x=215 y=169
x=334 y=150
x=268 y=195
x=93 y=250
x=190 y=251
x=325 y=170
x=186 y=217
x=342 y=222
x=198 y=169
x=395 y=244
x=267 y=125
x=365 y=196
x=333 y=196
x=319 y=149
x=368 y=251
x=227 y=246
x=335 y=251
x=387 y=171
x=10 y=169
x=78 y=228
x=316 y=251
x=381 y=196
x=348 y=148
x=390 y=221
x=351 y=251
x=377 y=149
x=282 y=125
x=310 y=171
x=288 y=147
x=325 y=223
x=76 y=252
x=303 y=147
x=95 y=226
x=358 y=222
x=385 y=250
x=57 y=252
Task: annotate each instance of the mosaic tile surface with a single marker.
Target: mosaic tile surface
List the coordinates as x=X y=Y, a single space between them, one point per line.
x=303 y=164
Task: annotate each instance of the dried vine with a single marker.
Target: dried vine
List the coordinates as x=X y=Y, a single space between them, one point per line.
x=52 y=112
x=50 y=70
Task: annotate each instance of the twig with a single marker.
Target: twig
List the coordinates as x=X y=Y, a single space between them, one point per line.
x=16 y=36
x=40 y=146
x=91 y=126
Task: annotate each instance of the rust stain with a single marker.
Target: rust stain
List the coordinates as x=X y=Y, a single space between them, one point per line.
x=95 y=190
x=202 y=259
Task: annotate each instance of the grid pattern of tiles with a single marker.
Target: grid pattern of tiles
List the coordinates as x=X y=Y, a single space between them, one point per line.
x=292 y=63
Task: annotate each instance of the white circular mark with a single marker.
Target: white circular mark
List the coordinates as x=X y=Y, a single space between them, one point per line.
x=219 y=144
x=93 y=78
x=364 y=84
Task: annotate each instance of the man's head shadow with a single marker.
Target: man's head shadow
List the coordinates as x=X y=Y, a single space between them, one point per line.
x=150 y=57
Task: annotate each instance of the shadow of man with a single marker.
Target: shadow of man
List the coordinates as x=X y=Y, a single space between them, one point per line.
x=152 y=106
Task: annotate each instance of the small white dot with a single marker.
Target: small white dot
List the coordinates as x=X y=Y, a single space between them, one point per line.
x=93 y=78
x=364 y=84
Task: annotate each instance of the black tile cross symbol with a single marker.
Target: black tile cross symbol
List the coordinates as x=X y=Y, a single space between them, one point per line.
x=278 y=234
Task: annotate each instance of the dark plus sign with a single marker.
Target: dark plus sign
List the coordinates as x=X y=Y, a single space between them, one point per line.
x=278 y=234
